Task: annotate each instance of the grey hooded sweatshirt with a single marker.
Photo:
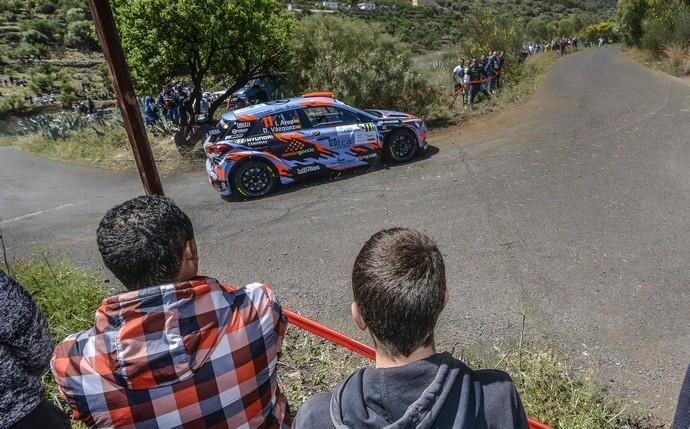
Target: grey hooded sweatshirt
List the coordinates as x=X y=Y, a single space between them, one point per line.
x=438 y=392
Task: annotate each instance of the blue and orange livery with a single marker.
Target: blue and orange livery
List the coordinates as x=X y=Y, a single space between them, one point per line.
x=256 y=148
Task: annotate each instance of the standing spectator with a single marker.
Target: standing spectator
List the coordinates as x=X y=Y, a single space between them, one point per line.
x=490 y=72
x=476 y=84
x=562 y=46
x=500 y=58
x=458 y=75
x=399 y=288
x=25 y=348
x=11 y=80
x=150 y=113
x=177 y=350
x=160 y=102
x=170 y=99
x=91 y=106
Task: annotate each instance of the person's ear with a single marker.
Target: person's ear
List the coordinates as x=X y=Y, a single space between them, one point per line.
x=189 y=265
x=357 y=317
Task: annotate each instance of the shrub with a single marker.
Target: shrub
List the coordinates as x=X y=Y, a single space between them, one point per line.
x=12 y=103
x=68 y=95
x=50 y=28
x=35 y=37
x=75 y=14
x=81 y=35
x=360 y=64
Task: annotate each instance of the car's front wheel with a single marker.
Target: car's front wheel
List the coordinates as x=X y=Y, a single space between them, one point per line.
x=401 y=146
x=254 y=179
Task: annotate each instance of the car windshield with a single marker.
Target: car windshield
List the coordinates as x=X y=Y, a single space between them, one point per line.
x=375 y=113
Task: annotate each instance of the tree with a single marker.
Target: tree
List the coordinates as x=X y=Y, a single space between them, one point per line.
x=631 y=15
x=206 y=41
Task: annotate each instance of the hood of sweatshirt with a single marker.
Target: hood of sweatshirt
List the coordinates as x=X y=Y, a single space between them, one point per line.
x=155 y=336
x=436 y=392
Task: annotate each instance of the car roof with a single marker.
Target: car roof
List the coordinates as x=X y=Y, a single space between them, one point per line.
x=251 y=113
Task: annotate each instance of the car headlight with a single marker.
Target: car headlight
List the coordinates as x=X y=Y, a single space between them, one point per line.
x=420 y=124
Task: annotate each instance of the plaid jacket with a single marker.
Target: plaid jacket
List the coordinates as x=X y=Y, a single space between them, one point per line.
x=188 y=355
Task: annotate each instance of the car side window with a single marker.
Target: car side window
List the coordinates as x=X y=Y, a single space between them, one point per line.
x=327 y=116
x=281 y=122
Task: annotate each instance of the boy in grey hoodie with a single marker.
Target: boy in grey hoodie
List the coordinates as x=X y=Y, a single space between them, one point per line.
x=399 y=287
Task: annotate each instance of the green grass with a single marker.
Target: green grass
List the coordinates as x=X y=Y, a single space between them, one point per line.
x=550 y=390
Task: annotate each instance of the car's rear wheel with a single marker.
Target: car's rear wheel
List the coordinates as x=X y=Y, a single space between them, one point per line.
x=401 y=146
x=254 y=179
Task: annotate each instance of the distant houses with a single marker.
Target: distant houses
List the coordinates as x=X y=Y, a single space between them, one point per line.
x=366 y=6
x=330 y=5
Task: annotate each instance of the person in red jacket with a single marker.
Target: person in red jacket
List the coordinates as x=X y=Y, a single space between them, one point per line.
x=176 y=350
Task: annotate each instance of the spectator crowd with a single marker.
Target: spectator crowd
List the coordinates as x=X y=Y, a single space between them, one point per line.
x=183 y=350
x=478 y=75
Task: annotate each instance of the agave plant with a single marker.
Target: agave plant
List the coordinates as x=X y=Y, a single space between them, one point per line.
x=52 y=126
x=163 y=127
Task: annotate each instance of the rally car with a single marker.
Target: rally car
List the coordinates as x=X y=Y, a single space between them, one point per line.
x=254 y=149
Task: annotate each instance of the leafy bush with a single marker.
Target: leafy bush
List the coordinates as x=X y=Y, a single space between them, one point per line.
x=81 y=35
x=360 y=64
x=35 y=37
x=68 y=95
x=48 y=27
x=75 y=14
x=12 y=103
x=605 y=29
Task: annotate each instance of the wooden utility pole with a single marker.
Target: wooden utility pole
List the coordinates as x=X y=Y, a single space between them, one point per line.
x=126 y=99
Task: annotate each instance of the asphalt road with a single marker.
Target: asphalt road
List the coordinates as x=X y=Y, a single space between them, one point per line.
x=572 y=208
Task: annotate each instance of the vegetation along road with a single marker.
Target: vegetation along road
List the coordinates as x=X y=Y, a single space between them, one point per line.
x=571 y=208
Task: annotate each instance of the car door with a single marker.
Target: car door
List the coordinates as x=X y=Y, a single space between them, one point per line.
x=322 y=123
x=358 y=138
x=300 y=148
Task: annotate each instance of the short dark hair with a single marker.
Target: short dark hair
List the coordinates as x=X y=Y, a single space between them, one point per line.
x=399 y=285
x=142 y=240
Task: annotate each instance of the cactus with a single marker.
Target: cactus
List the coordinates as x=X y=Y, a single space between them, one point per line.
x=53 y=126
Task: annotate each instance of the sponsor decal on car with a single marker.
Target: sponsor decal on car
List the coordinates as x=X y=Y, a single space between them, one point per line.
x=251 y=141
x=281 y=123
x=244 y=124
x=297 y=148
x=369 y=156
x=309 y=169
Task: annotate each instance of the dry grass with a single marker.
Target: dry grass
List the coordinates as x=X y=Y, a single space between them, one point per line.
x=674 y=60
x=109 y=150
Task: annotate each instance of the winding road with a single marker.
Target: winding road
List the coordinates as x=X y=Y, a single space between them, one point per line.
x=572 y=208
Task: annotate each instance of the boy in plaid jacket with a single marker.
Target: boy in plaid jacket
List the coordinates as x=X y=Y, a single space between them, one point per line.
x=177 y=350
